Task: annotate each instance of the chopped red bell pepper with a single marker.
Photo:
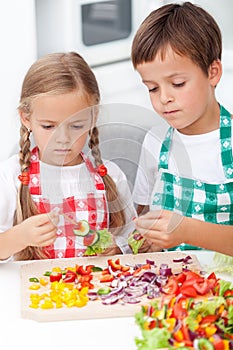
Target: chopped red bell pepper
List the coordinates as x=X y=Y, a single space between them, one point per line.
x=70 y=276
x=55 y=276
x=207 y=320
x=115 y=265
x=84 y=271
x=228 y=293
x=106 y=278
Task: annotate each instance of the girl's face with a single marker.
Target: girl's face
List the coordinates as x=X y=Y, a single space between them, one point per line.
x=181 y=93
x=60 y=126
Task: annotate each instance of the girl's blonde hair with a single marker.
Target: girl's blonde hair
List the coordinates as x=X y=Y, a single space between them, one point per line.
x=60 y=73
x=187 y=28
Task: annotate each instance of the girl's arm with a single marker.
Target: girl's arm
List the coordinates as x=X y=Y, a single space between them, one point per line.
x=166 y=229
x=10 y=243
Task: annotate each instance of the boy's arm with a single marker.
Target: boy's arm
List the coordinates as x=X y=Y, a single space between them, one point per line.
x=167 y=229
x=215 y=237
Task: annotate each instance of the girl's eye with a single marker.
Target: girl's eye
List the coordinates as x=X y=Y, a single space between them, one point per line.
x=47 y=127
x=77 y=127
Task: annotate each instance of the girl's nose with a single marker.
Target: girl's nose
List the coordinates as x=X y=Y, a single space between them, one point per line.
x=62 y=134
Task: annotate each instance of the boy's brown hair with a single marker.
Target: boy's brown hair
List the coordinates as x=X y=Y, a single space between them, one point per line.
x=187 y=28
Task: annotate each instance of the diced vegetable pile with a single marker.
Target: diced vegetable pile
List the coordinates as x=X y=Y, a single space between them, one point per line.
x=189 y=323
x=116 y=283
x=182 y=310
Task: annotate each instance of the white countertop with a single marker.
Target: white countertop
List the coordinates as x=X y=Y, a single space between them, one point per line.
x=104 y=334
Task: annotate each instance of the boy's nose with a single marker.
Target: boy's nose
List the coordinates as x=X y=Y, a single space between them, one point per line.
x=165 y=96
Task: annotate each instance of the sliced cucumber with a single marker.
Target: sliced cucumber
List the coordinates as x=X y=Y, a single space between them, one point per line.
x=82 y=228
x=203 y=344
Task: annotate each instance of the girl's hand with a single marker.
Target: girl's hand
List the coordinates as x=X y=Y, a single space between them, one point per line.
x=161 y=228
x=39 y=230
x=113 y=250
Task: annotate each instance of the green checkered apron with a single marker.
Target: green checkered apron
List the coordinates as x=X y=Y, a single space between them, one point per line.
x=195 y=198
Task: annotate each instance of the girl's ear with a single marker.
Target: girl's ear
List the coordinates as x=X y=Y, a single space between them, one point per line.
x=215 y=72
x=25 y=120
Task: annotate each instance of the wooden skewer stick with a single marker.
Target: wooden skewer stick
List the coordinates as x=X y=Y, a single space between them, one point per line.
x=72 y=221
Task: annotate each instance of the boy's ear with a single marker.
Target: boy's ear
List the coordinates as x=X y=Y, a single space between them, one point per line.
x=215 y=72
x=25 y=120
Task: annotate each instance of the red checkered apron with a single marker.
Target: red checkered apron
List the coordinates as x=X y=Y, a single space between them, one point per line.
x=93 y=208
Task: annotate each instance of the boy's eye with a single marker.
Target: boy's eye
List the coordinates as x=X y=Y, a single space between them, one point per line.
x=179 y=84
x=153 y=89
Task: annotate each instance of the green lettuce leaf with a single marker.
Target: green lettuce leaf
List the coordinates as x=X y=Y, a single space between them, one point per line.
x=105 y=240
x=153 y=339
x=222 y=263
x=135 y=244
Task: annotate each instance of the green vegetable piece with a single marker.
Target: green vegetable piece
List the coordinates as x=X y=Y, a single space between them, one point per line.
x=104 y=291
x=82 y=228
x=96 y=268
x=33 y=279
x=47 y=273
x=135 y=241
x=203 y=344
x=104 y=241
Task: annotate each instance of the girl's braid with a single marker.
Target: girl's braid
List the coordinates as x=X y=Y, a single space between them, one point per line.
x=24 y=153
x=94 y=146
x=25 y=205
x=115 y=205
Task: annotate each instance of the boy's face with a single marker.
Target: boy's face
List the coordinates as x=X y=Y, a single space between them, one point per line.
x=180 y=92
x=60 y=125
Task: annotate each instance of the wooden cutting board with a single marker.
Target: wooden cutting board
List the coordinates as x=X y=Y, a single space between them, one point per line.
x=93 y=309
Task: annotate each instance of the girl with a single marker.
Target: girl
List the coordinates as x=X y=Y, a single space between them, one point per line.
x=177 y=52
x=46 y=191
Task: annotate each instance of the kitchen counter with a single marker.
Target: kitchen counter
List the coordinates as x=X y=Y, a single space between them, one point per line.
x=104 y=334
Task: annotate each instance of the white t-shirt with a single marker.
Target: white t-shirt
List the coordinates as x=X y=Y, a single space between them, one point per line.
x=192 y=156
x=61 y=182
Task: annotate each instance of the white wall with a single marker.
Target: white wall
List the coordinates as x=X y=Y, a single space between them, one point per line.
x=18 y=51
x=119 y=83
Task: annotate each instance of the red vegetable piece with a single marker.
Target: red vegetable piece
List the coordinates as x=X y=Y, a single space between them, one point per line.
x=228 y=293
x=171 y=287
x=202 y=288
x=218 y=344
x=181 y=277
x=115 y=265
x=84 y=271
x=179 y=312
x=212 y=280
x=188 y=291
x=207 y=320
x=55 y=276
x=106 y=278
x=69 y=278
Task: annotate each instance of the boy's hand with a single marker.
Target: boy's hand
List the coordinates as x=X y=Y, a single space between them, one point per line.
x=38 y=230
x=161 y=228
